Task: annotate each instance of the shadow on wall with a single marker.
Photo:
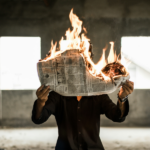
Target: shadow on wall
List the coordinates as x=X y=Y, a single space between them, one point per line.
x=17 y=106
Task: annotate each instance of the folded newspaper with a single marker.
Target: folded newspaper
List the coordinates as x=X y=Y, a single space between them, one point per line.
x=67 y=75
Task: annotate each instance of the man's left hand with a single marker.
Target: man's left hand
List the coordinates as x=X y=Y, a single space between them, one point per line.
x=126 y=89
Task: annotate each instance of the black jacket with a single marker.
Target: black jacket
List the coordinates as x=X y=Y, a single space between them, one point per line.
x=79 y=122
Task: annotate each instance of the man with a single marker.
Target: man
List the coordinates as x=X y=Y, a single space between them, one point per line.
x=78 y=118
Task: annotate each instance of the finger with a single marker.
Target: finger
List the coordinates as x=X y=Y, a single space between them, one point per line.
x=125 y=92
x=130 y=85
x=45 y=95
x=40 y=88
x=126 y=86
x=40 y=93
x=127 y=89
x=44 y=90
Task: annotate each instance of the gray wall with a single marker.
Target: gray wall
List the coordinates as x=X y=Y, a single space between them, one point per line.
x=139 y=112
x=17 y=107
x=105 y=20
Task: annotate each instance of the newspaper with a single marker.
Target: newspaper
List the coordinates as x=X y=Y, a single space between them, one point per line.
x=68 y=76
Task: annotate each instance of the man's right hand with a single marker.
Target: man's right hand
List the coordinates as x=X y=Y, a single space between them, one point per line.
x=42 y=94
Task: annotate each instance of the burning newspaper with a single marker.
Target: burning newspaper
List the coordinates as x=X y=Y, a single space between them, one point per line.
x=70 y=70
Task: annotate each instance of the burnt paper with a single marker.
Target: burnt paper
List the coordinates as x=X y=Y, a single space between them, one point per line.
x=67 y=75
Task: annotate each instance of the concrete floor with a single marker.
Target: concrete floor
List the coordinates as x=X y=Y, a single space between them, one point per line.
x=45 y=138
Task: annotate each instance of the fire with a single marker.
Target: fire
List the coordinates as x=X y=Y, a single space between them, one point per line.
x=112 y=57
x=75 y=40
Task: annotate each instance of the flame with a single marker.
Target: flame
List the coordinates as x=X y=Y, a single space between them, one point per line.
x=112 y=57
x=75 y=40
x=53 y=50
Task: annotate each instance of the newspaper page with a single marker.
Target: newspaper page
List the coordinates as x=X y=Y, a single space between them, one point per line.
x=68 y=76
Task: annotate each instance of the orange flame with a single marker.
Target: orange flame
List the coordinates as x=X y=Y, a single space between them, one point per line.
x=112 y=57
x=76 y=41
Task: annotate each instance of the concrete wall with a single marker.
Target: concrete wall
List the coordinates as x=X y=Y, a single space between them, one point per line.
x=105 y=20
x=139 y=112
x=17 y=107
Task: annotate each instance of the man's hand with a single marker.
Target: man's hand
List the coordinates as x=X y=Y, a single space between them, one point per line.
x=42 y=94
x=126 y=89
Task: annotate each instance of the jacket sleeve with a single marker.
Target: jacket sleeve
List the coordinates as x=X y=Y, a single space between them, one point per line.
x=49 y=108
x=111 y=110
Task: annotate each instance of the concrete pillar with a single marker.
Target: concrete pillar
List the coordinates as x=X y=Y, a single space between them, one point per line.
x=0 y=88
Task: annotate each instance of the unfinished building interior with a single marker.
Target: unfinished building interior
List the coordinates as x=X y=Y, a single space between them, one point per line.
x=105 y=21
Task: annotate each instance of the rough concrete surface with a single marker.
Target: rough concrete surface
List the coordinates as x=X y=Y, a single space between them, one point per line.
x=105 y=20
x=45 y=138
